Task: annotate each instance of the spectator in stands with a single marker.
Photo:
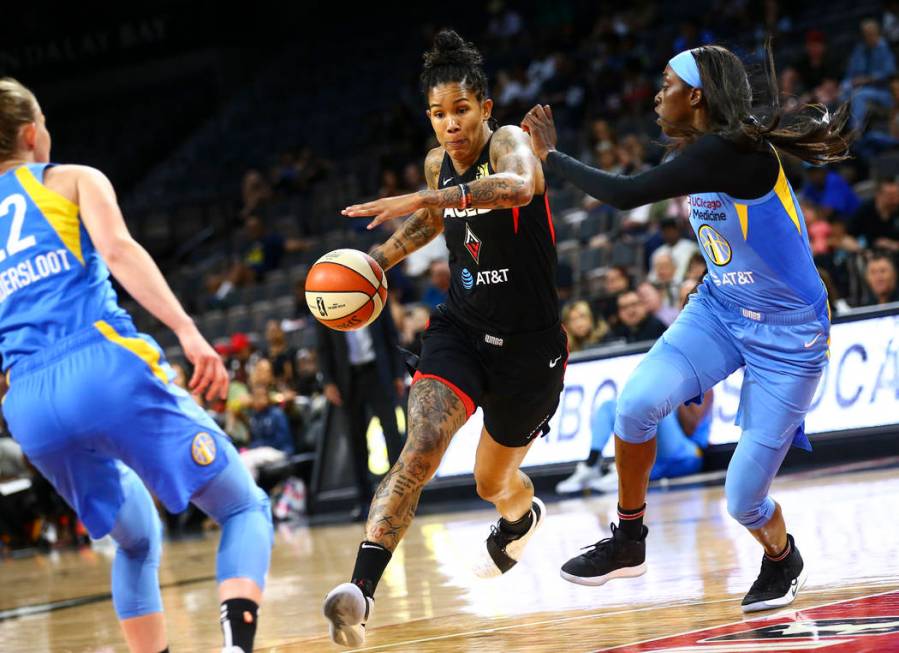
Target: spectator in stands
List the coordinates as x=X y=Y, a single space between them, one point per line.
x=270 y=438
x=255 y=193
x=829 y=191
x=260 y=253
x=818 y=69
x=615 y=281
x=819 y=231
x=870 y=67
x=675 y=245
x=438 y=288
x=652 y=300
x=263 y=374
x=663 y=277
x=284 y=176
x=696 y=268
x=279 y=353
x=263 y=250
x=880 y=273
x=876 y=223
x=583 y=332
x=635 y=324
x=308 y=383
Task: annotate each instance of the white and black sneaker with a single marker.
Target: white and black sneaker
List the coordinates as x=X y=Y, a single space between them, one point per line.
x=778 y=583
x=614 y=557
x=503 y=550
x=347 y=610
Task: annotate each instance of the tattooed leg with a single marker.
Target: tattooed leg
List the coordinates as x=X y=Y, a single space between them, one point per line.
x=435 y=414
x=500 y=481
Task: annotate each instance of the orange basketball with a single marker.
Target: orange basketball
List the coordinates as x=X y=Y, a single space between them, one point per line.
x=346 y=289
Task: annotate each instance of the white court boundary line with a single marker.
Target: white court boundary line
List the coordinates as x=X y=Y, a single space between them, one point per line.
x=603 y=615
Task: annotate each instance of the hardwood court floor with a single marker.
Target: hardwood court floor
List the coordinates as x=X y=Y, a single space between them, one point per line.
x=700 y=565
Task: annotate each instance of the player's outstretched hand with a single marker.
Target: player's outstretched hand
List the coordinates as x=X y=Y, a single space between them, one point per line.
x=385 y=208
x=210 y=377
x=539 y=123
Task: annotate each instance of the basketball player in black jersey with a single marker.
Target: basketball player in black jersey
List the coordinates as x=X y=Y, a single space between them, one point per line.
x=497 y=343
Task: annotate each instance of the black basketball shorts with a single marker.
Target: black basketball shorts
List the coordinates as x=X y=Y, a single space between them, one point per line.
x=517 y=380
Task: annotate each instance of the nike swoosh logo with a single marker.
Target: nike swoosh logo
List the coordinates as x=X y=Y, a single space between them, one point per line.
x=447 y=180
x=812 y=341
x=553 y=363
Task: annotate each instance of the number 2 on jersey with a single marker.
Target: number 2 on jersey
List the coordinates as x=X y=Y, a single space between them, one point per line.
x=16 y=205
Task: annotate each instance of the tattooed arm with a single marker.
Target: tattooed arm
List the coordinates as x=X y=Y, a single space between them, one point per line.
x=513 y=184
x=518 y=176
x=419 y=228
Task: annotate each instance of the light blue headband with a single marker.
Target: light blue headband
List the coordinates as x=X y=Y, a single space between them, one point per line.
x=684 y=64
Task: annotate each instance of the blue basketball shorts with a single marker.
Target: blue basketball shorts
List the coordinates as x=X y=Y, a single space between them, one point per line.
x=784 y=355
x=102 y=397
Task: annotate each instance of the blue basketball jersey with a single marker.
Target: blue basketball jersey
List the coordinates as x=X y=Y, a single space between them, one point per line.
x=53 y=283
x=757 y=251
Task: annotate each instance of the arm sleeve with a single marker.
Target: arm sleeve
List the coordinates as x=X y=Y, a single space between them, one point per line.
x=711 y=164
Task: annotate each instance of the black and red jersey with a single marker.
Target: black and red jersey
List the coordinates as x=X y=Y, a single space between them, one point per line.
x=503 y=261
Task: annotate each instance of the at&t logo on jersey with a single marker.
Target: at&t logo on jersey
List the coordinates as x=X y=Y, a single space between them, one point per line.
x=484 y=278
x=732 y=278
x=715 y=245
x=472 y=244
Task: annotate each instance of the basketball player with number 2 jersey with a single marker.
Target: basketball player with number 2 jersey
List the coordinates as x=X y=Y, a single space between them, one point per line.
x=91 y=401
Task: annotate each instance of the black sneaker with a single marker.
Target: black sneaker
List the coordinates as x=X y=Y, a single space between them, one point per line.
x=614 y=557
x=778 y=582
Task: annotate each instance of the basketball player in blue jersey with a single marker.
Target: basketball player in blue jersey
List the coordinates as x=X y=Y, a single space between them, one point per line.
x=762 y=304
x=92 y=402
x=497 y=343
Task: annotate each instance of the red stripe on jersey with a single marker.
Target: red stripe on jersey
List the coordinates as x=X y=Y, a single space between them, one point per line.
x=464 y=398
x=515 y=218
x=549 y=216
